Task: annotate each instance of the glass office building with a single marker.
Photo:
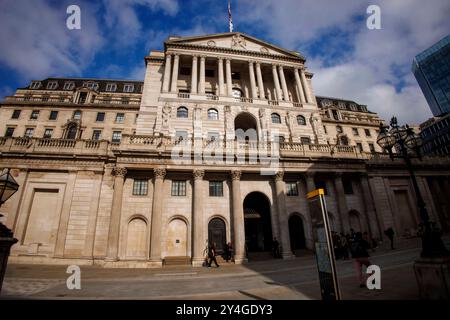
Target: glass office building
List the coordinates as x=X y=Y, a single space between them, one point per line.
x=432 y=71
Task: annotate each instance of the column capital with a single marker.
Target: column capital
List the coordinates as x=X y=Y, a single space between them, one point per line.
x=228 y=60
x=160 y=173
x=202 y=56
x=220 y=58
x=119 y=172
x=169 y=53
x=236 y=175
x=251 y=62
x=195 y=55
x=198 y=174
x=176 y=54
x=279 y=176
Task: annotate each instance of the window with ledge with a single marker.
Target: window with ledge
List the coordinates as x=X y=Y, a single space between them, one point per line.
x=29 y=132
x=34 y=115
x=48 y=133
x=69 y=85
x=9 y=131
x=301 y=120
x=82 y=97
x=182 y=112
x=76 y=115
x=100 y=117
x=52 y=85
x=96 y=134
x=216 y=188
x=291 y=189
x=120 y=117
x=355 y=131
x=53 y=115
x=116 y=136
x=128 y=88
x=16 y=114
x=367 y=131
x=179 y=188
x=35 y=84
x=339 y=129
x=359 y=147
x=111 y=87
x=276 y=118
x=213 y=114
x=140 y=187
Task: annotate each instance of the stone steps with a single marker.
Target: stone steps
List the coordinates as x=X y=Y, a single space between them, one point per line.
x=177 y=261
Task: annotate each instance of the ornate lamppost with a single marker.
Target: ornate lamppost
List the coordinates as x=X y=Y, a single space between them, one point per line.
x=8 y=186
x=434 y=255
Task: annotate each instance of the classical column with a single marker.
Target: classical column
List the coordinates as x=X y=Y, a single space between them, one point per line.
x=310 y=185
x=229 y=80
x=221 y=79
x=276 y=82
x=155 y=237
x=262 y=94
x=342 y=203
x=251 y=72
x=167 y=67
x=198 y=239
x=371 y=215
x=305 y=85
x=280 y=186
x=194 y=75
x=301 y=94
x=176 y=62
x=114 y=222
x=201 y=86
x=238 y=218
x=283 y=83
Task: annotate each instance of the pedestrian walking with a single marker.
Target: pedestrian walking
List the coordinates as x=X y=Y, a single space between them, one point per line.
x=360 y=256
x=344 y=246
x=390 y=234
x=276 y=248
x=212 y=255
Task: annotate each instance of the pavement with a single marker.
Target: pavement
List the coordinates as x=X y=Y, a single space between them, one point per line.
x=295 y=279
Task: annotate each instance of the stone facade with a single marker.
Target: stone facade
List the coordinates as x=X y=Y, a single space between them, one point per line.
x=134 y=174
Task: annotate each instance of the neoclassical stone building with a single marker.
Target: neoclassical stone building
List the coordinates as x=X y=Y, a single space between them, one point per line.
x=220 y=142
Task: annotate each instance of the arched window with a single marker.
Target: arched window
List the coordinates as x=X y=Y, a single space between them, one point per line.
x=213 y=114
x=301 y=120
x=77 y=114
x=182 y=112
x=276 y=118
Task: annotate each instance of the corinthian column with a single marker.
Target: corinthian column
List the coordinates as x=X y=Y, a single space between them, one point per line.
x=229 y=80
x=201 y=87
x=252 y=79
x=280 y=186
x=155 y=242
x=309 y=98
x=194 y=75
x=198 y=237
x=283 y=83
x=301 y=94
x=262 y=94
x=114 y=222
x=276 y=82
x=176 y=62
x=238 y=218
x=221 y=79
x=167 y=67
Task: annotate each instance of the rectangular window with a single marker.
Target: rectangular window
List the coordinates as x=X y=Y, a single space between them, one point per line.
x=117 y=136
x=372 y=147
x=128 y=88
x=367 y=131
x=100 y=117
x=34 y=114
x=82 y=97
x=305 y=140
x=120 y=117
x=96 y=134
x=355 y=131
x=291 y=189
x=9 y=132
x=216 y=188
x=69 y=85
x=179 y=188
x=111 y=87
x=29 y=132
x=140 y=187
x=16 y=114
x=35 y=85
x=48 y=133
x=359 y=146
x=53 y=115
x=52 y=85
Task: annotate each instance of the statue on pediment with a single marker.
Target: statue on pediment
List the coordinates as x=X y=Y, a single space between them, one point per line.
x=238 y=42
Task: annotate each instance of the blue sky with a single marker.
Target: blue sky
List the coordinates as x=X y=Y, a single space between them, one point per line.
x=348 y=60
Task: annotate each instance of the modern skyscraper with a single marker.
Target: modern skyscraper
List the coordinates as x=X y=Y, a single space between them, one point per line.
x=432 y=71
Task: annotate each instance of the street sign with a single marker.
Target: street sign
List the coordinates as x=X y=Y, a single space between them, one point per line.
x=323 y=244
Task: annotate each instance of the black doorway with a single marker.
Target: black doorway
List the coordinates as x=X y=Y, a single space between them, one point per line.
x=296 y=233
x=258 y=225
x=217 y=234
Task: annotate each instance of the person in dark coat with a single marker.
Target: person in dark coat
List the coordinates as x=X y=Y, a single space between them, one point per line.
x=212 y=255
x=359 y=249
x=390 y=234
x=276 y=248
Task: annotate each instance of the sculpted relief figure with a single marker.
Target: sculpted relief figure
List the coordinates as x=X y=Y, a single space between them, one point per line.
x=315 y=126
x=238 y=42
x=166 y=111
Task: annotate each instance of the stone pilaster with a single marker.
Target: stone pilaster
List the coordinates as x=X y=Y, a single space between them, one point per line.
x=238 y=218
x=251 y=72
x=194 y=73
x=155 y=242
x=371 y=215
x=280 y=187
x=176 y=62
x=198 y=232
x=262 y=94
x=167 y=67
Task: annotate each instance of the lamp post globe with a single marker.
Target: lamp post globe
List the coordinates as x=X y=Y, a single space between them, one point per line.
x=8 y=186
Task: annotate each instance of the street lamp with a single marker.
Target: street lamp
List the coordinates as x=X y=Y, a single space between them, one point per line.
x=407 y=144
x=8 y=186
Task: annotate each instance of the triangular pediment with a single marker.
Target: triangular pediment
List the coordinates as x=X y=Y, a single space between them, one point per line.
x=236 y=41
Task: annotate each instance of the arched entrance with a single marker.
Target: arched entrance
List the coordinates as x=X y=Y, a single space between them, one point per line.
x=258 y=225
x=245 y=127
x=177 y=238
x=296 y=233
x=217 y=234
